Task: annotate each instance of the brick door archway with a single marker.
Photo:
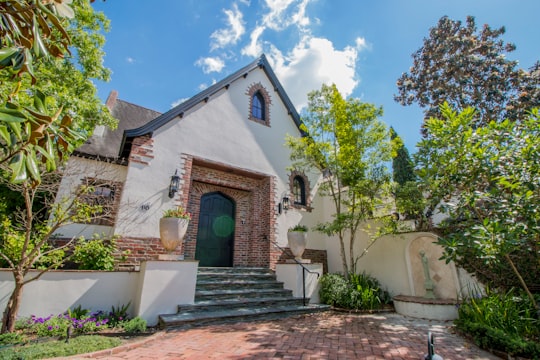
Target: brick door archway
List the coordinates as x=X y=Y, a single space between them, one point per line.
x=253 y=195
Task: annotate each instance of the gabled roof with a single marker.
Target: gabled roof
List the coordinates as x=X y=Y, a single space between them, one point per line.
x=179 y=110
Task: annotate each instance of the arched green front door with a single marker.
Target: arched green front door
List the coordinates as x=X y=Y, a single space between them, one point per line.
x=215 y=235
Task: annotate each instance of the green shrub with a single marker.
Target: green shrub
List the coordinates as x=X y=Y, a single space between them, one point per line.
x=118 y=314
x=78 y=345
x=502 y=321
x=11 y=338
x=361 y=292
x=94 y=254
x=134 y=325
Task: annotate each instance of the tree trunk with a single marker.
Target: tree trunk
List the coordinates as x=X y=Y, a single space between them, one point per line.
x=13 y=304
x=523 y=284
x=343 y=257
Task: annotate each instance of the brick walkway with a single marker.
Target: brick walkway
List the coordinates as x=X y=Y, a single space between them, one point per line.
x=318 y=336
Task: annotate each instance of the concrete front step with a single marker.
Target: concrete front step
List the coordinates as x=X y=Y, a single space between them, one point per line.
x=240 y=294
x=237 y=294
x=228 y=304
x=189 y=319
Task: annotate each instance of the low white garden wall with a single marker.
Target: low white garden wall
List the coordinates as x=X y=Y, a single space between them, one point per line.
x=56 y=291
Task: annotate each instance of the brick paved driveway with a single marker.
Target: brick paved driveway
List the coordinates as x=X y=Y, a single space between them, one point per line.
x=316 y=336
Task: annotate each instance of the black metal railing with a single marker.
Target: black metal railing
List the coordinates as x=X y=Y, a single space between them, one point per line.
x=304 y=269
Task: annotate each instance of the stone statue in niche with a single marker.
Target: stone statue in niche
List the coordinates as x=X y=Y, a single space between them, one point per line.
x=428 y=283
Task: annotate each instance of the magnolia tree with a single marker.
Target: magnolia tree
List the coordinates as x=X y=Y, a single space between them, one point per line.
x=348 y=145
x=486 y=180
x=50 y=50
x=468 y=67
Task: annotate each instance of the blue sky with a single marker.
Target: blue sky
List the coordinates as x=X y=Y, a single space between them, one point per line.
x=163 y=52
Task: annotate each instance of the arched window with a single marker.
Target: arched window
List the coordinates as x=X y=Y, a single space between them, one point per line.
x=257 y=106
x=299 y=191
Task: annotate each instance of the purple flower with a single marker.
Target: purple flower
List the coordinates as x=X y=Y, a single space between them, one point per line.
x=49 y=327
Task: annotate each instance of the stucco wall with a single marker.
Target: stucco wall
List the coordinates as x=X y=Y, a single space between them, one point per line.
x=75 y=170
x=218 y=130
x=56 y=291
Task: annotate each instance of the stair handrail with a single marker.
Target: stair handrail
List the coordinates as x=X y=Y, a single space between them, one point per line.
x=304 y=269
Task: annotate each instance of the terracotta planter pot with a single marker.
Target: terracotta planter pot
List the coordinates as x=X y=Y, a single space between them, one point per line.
x=297 y=243
x=172 y=232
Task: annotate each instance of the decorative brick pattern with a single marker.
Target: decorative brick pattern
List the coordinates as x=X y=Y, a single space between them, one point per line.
x=316 y=256
x=142 y=150
x=140 y=249
x=255 y=215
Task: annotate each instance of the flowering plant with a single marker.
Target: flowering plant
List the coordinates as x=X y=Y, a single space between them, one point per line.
x=179 y=212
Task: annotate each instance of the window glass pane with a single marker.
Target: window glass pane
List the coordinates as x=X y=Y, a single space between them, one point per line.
x=257 y=106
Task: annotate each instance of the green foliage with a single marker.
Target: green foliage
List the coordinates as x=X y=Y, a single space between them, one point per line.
x=78 y=312
x=402 y=165
x=348 y=145
x=135 y=325
x=359 y=292
x=299 y=228
x=502 y=321
x=469 y=68
x=485 y=179
x=95 y=254
x=12 y=339
x=178 y=212
x=51 y=105
x=118 y=314
x=78 y=345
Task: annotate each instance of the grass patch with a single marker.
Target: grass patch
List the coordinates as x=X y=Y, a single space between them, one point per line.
x=78 y=345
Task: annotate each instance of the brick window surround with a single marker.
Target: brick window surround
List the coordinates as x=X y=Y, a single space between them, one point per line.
x=254 y=90
x=105 y=193
x=295 y=203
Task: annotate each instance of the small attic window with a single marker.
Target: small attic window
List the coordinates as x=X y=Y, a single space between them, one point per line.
x=259 y=104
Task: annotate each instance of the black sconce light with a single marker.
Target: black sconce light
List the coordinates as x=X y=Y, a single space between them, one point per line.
x=175 y=184
x=283 y=204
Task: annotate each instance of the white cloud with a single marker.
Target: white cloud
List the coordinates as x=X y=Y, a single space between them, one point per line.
x=254 y=48
x=283 y=14
x=210 y=64
x=130 y=60
x=231 y=34
x=311 y=63
x=361 y=44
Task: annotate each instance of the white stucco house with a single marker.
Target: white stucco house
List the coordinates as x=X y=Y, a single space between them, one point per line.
x=226 y=147
x=222 y=156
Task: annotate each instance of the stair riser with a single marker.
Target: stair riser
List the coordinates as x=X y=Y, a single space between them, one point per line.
x=241 y=296
x=238 y=286
x=226 y=320
x=230 y=306
x=233 y=277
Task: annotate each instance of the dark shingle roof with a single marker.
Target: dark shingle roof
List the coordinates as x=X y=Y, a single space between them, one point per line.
x=129 y=116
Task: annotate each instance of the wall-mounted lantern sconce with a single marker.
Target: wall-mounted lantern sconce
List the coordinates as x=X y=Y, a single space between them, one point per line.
x=283 y=204
x=175 y=184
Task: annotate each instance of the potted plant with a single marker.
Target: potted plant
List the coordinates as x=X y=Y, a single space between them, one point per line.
x=172 y=228
x=297 y=237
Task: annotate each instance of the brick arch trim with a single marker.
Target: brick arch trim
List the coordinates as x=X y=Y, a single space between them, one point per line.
x=252 y=90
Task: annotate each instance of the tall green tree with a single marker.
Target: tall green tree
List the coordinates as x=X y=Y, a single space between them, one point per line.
x=486 y=180
x=50 y=52
x=466 y=67
x=410 y=202
x=402 y=165
x=348 y=145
